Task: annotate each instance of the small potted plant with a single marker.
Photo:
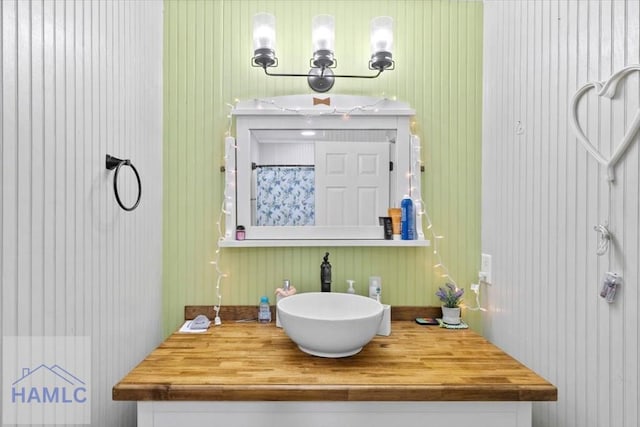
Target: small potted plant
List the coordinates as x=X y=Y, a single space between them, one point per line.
x=451 y=297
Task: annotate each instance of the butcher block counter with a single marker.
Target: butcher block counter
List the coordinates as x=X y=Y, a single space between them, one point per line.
x=258 y=363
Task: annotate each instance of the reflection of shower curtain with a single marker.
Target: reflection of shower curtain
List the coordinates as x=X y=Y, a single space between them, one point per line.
x=285 y=195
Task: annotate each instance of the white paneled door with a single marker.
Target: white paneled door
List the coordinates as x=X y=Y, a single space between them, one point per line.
x=352 y=183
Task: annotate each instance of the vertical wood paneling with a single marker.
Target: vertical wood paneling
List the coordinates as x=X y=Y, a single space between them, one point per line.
x=207 y=52
x=81 y=79
x=543 y=193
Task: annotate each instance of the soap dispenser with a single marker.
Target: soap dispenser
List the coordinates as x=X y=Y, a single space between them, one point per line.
x=325 y=274
x=351 y=290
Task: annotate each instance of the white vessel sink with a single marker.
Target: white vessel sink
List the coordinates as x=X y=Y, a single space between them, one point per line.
x=329 y=324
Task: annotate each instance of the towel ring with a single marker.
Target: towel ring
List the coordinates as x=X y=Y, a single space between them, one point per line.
x=115 y=163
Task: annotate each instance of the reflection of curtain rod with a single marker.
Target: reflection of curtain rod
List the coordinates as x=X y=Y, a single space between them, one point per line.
x=255 y=166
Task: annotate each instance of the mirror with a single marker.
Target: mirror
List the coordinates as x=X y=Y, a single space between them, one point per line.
x=330 y=177
x=300 y=169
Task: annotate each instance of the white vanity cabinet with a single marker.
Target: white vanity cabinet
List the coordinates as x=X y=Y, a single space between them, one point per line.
x=309 y=171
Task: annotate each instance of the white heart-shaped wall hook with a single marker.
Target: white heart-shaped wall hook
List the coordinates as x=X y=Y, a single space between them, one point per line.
x=608 y=89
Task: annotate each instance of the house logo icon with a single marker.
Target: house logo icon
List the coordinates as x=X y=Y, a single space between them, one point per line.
x=46 y=380
x=48 y=385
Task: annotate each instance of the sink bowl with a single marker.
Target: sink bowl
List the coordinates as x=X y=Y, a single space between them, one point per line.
x=329 y=324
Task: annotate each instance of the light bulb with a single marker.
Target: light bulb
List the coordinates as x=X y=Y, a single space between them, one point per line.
x=322 y=33
x=264 y=31
x=380 y=41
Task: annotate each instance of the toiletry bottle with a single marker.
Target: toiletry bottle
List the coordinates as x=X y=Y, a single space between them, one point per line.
x=351 y=290
x=407 y=222
x=282 y=293
x=240 y=232
x=396 y=219
x=264 y=311
x=375 y=287
x=325 y=274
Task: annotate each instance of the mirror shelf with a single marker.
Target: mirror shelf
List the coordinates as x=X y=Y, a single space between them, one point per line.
x=308 y=171
x=323 y=242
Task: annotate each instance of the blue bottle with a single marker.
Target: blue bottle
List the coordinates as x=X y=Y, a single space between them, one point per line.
x=264 y=311
x=408 y=219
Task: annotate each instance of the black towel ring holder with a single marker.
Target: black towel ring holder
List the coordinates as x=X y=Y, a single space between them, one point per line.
x=115 y=163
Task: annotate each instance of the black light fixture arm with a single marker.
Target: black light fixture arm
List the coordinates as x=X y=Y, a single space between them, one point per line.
x=373 y=76
x=115 y=163
x=321 y=79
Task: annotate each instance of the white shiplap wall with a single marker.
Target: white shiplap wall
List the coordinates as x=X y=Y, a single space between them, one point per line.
x=81 y=79
x=543 y=194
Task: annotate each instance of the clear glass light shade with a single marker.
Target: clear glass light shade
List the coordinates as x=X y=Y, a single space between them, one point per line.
x=264 y=31
x=323 y=32
x=381 y=34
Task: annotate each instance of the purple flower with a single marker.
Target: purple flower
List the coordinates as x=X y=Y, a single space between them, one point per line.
x=451 y=295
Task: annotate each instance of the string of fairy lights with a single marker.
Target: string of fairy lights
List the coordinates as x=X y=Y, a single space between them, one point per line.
x=225 y=209
x=440 y=266
x=216 y=263
x=229 y=190
x=346 y=113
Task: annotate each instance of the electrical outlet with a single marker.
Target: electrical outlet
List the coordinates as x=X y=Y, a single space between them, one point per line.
x=485 y=268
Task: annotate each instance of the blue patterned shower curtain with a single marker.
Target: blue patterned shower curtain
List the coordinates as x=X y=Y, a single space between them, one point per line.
x=285 y=195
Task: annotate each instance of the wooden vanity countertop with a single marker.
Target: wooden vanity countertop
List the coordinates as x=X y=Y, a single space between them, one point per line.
x=256 y=362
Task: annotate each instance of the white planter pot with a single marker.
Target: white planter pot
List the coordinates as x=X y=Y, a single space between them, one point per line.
x=450 y=315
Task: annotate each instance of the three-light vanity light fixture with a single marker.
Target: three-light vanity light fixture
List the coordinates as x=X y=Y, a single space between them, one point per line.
x=321 y=76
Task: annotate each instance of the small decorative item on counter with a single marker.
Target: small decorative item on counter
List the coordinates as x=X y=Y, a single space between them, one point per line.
x=445 y=325
x=240 y=232
x=451 y=297
x=283 y=292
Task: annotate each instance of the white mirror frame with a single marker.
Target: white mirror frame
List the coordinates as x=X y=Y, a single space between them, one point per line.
x=309 y=112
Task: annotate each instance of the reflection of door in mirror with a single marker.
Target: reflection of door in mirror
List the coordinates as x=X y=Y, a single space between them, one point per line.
x=329 y=178
x=352 y=182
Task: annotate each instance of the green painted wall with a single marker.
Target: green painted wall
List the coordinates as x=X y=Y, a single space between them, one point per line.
x=207 y=51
